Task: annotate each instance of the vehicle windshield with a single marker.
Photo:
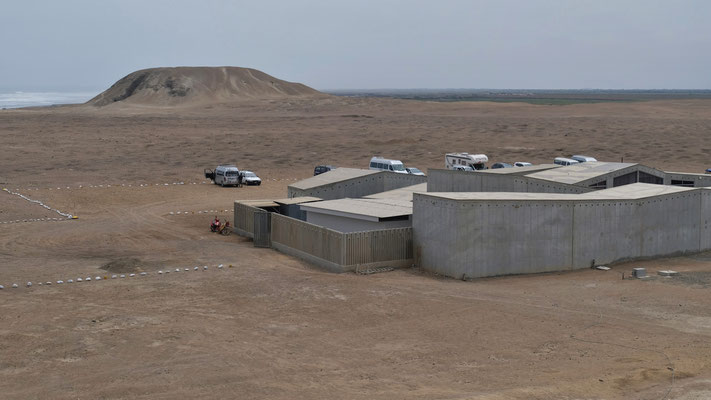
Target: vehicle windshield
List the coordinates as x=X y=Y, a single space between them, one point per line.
x=250 y=174
x=478 y=166
x=413 y=169
x=398 y=167
x=231 y=173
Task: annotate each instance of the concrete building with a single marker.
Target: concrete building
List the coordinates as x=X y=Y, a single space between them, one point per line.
x=487 y=223
x=404 y=193
x=444 y=180
x=357 y=215
x=601 y=175
x=686 y=179
x=291 y=207
x=520 y=170
x=488 y=234
x=351 y=183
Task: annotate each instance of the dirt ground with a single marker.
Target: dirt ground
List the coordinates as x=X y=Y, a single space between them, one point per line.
x=271 y=326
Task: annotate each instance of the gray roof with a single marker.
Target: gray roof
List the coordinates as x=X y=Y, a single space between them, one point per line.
x=297 y=200
x=333 y=176
x=258 y=203
x=577 y=173
x=520 y=170
x=627 y=192
x=400 y=194
x=366 y=209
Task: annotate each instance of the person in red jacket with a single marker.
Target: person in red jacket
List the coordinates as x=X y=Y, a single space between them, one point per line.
x=215 y=225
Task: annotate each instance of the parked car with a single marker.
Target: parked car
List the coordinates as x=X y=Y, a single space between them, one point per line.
x=320 y=169
x=583 y=159
x=249 y=178
x=708 y=170
x=565 y=161
x=414 y=171
x=522 y=164
x=501 y=165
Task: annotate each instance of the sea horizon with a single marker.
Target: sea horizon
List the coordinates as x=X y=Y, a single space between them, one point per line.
x=22 y=99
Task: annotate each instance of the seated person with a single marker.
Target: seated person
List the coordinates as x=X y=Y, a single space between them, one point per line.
x=215 y=225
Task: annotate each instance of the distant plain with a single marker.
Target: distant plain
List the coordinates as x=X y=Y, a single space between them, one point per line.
x=275 y=327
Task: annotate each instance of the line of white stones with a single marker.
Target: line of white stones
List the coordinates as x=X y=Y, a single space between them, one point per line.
x=196 y=212
x=137 y=185
x=66 y=215
x=29 y=284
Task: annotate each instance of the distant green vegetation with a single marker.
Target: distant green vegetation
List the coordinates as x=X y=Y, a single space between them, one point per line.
x=540 y=101
x=542 y=97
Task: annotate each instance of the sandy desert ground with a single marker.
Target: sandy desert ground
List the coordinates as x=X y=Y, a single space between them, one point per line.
x=272 y=326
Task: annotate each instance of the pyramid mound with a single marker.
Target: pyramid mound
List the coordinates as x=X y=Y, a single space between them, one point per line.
x=193 y=85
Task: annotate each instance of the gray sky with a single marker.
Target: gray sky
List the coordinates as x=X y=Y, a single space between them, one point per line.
x=333 y=44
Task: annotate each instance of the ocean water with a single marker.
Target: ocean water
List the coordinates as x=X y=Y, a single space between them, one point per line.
x=38 y=99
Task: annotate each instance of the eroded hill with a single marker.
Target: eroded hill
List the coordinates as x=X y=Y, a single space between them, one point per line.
x=197 y=85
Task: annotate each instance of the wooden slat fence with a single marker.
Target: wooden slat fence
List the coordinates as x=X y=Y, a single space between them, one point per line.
x=339 y=252
x=388 y=247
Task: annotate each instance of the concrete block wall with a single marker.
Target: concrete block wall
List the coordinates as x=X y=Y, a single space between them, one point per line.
x=606 y=231
x=443 y=180
x=488 y=238
x=477 y=239
x=705 y=219
x=392 y=181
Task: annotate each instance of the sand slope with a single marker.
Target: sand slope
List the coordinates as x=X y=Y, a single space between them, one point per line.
x=197 y=85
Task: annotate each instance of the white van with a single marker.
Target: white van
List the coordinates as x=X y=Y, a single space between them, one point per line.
x=458 y=161
x=384 y=164
x=583 y=159
x=226 y=175
x=565 y=161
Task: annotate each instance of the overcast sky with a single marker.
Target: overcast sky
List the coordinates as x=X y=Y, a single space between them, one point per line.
x=333 y=44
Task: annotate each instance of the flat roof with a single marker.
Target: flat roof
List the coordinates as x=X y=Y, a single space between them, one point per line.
x=404 y=193
x=297 y=200
x=626 y=192
x=332 y=176
x=520 y=170
x=697 y=174
x=573 y=174
x=367 y=209
x=258 y=203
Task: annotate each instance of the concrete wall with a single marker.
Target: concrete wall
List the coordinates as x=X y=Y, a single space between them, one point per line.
x=478 y=239
x=700 y=180
x=443 y=180
x=609 y=178
x=705 y=220
x=359 y=187
x=345 y=224
x=488 y=238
